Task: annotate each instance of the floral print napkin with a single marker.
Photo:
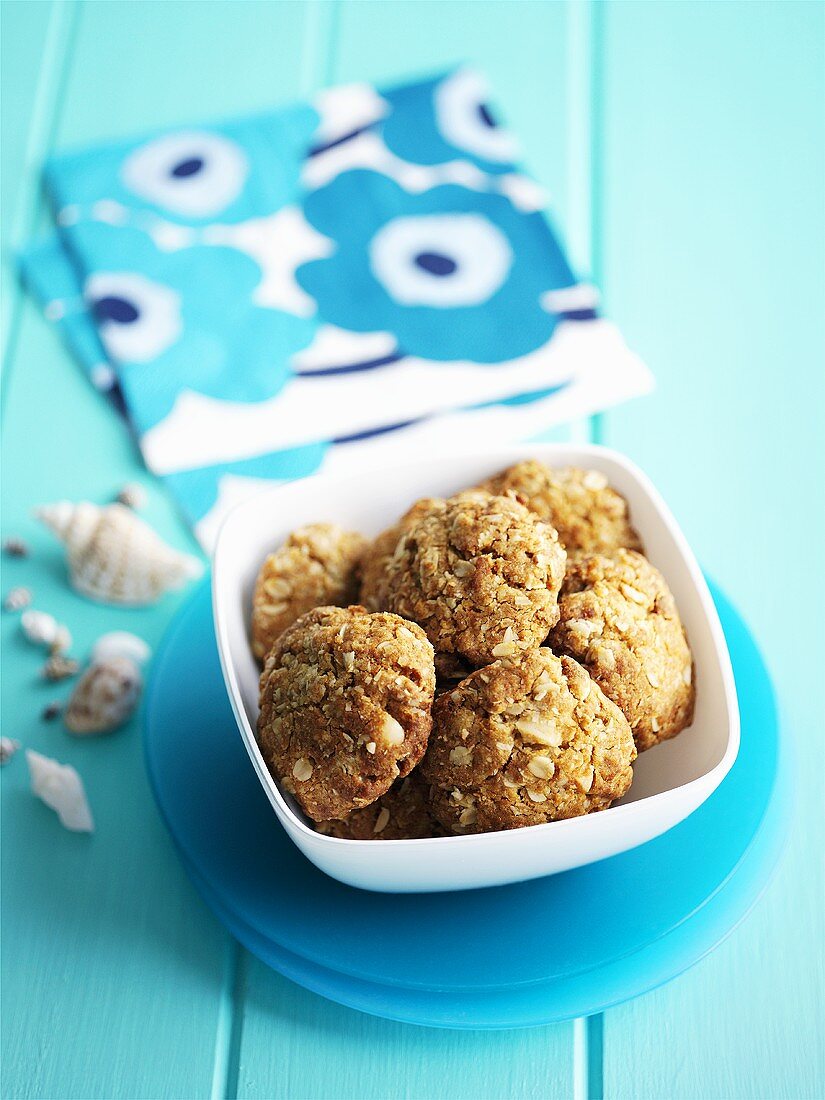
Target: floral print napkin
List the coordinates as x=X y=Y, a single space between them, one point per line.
x=330 y=285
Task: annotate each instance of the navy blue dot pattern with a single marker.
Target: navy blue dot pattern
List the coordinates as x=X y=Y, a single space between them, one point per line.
x=485 y=116
x=187 y=168
x=435 y=263
x=115 y=309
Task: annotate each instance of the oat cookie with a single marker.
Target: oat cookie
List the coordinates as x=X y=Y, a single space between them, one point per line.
x=526 y=740
x=400 y=814
x=619 y=618
x=316 y=566
x=379 y=553
x=588 y=514
x=480 y=573
x=345 y=707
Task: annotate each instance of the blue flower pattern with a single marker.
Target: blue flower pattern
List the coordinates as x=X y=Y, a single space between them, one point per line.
x=164 y=233
x=190 y=177
x=216 y=325
x=453 y=121
x=492 y=321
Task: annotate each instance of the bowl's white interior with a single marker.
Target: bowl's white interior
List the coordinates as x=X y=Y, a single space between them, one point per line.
x=370 y=502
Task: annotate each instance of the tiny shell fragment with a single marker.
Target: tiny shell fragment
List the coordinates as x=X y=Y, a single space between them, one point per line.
x=61 y=788
x=104 y=698
x=59 y=667
x=62 y=639
x=132 y=496
x=15 y=547
x=8 y=747
x=17 y=598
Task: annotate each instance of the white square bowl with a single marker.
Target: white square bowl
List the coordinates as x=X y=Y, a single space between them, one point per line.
x=670 y=780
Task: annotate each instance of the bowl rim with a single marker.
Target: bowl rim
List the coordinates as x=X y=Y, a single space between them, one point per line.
x=513 y=452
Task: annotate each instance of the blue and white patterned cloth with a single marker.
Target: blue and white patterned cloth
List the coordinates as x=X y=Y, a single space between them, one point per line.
x=334 y=284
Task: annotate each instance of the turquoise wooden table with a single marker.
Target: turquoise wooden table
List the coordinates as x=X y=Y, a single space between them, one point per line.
x=683 y=146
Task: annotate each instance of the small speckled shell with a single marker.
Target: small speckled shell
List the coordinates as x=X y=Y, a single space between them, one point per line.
x=114 y=556
x=105 y=697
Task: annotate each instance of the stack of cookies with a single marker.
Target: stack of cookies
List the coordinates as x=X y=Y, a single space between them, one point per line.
x=511 y=652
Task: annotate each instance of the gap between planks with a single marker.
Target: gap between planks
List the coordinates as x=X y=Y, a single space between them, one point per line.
x=585 y=106
x=229 y=1031
x=49 y=99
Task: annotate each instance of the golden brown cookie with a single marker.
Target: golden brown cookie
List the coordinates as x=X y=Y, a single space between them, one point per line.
x=345 y=707
x=400 y=814
x=526 y=740
x=378 y=555
x=480 y=573
x=316 y=566
x=619 y=618
x=588 y=514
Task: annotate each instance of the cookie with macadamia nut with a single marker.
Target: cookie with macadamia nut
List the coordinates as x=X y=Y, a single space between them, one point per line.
x=526 y=740
x=589 y=515
x=316 y=566
x=480 y=573
x=619 y=619
x=345 y=707
x=400 y=814
x=376 y=559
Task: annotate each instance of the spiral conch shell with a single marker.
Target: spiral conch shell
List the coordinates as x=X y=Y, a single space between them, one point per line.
x=114 y=556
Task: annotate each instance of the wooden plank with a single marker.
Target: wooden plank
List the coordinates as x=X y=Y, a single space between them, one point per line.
x=25 y=30
x=117 y=982
x=110 y=966
x=296 y=1045
x=146 y=65
x=713 y=245
x=34 y=46
x=280 y=1053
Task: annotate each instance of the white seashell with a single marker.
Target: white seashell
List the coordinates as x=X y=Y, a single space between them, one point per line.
x=8 y=747
x=120 y=643
x=61 y=788
x=41 y=628
x=105 y=697
x=114 y=556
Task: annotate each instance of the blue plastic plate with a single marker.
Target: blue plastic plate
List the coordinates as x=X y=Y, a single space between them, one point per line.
x=627 y=924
